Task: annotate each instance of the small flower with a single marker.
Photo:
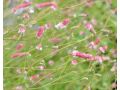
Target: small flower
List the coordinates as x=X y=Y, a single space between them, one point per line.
x=74 y=62
x=82 y=33
x=55 y=40
x=19 y=46
x=40 y=32
x=90 y=27
x=103 y=49
x=21 y=6
x=41 y=67
x=53 y=5
x=26 y=16
x=34 y=77
x=93 y=44
x=47 y=26
x=89 y=3
x=20 y=54
x=99 y=58
x=63 y=24
x=89 y=57
x=51 y=62
x=22 y=29
x=39 y=47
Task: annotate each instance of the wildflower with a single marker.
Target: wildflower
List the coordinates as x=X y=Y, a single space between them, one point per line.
x=40 y=32
x=63 y=24
x=74 y=62
x=99 y=58
x=34 y=77
x=41 y=67
x=87 y=56
x=21 y=6
x=55 y=40
x=82 y=33
x=89 y=3
x=39 y=47
x=19 y=54
x=19 y=46
x=51 y=62
x=93 y=44
x=103 y=49
x=47 y=26
x=53 y=5
x=22 y=29
x=90 y=27
x=80 y=54
x=26 y=16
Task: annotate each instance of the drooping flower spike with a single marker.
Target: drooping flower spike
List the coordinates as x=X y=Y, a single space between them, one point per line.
x=63 y=24
x=55 y=40
x=90 y=27
x=20 y=54
x=89 y=57
x=53 y=5
x=40 y=32
x=19 y=46
x=21 y=6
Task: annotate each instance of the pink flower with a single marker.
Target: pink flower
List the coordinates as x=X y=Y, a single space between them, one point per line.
x=99 y=58
x=103 y=49
x=39 y=47
x=22 y=29
x=53 y=5
x=26 y=16
x=63 y=24
x=93 y=44
x=82 y=33
x=74 y=62
x=87 y=56
x=50 y=62
x=82 y=55
x=40 y=32
x=41 y=67
x=47 y=26
x=89 y=3
x=19 y=54
x=24 y=5
x=34 y=77
x=90 y=27
x=55 y=40
x=19 y=46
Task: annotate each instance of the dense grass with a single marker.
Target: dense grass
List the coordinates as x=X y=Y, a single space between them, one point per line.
x=62 y=75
